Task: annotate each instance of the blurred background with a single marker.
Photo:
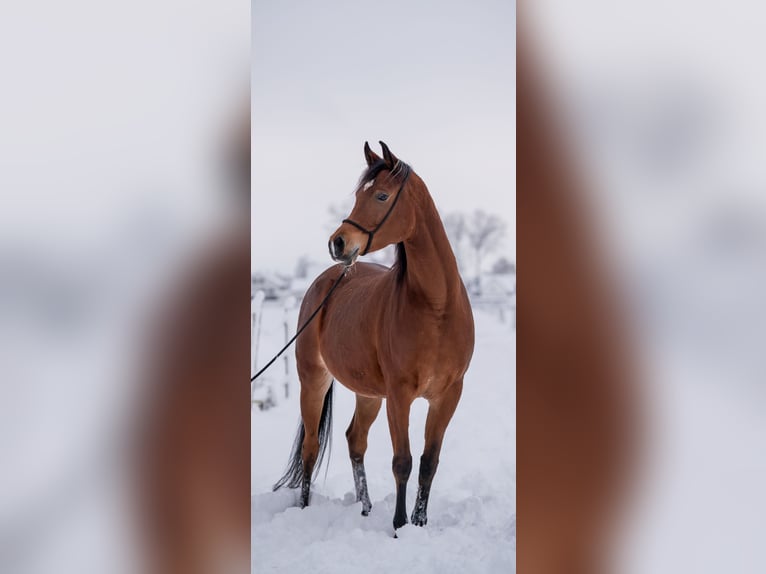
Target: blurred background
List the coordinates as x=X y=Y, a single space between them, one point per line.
x=118 y=123
x=116 y=175
x=661 y=104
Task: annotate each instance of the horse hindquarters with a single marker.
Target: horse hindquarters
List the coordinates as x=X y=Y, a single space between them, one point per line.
x=314 y=433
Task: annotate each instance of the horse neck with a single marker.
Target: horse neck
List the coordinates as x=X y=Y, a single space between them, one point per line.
x=429 y=271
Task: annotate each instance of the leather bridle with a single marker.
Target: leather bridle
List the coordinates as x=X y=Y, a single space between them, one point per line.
x=371 y=233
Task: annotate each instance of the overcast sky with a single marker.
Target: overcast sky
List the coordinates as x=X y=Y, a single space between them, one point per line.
x=434 y=80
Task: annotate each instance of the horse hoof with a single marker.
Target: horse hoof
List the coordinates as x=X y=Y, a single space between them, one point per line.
x=419 y=519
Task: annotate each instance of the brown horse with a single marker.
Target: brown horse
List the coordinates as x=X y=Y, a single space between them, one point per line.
x=576 y=395
x=193 y=448
x=397 y=333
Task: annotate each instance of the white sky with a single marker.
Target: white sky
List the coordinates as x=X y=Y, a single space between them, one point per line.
x=434 y=80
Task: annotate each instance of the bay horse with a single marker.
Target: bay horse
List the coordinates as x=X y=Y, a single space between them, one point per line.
x=397 y=333
x=192 y=443
x=578 y=402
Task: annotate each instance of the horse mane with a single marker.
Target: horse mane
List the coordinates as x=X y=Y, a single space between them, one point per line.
x=399 y=171
x=401 y=261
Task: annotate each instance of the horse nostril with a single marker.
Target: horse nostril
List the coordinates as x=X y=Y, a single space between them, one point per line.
x=339 y=245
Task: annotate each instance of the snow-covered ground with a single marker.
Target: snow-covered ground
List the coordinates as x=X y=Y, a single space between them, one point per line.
x=472 y=511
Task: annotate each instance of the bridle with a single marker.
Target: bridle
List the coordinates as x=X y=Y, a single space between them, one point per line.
x=371 y=233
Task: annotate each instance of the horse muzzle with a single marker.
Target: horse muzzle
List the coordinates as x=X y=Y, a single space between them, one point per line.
x=338 y=248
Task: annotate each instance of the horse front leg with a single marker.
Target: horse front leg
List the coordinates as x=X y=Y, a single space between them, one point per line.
x=440 y=411
x=398 y=410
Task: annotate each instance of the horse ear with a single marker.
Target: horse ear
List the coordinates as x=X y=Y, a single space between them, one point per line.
x=370 y=155
x=390 y=158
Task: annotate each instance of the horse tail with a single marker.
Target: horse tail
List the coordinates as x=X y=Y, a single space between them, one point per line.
x=293 y=476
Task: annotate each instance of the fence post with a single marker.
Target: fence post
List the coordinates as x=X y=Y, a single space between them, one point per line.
x=289 y=304
x=255 y=332
x=256 y=311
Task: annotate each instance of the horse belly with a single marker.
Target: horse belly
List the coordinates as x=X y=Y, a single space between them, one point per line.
x=433 y=359
x=354 y=367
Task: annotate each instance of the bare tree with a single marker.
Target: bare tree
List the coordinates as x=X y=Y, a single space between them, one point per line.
x=455 y=226
x=484 y=232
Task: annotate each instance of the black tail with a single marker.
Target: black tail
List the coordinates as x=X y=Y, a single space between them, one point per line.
x=293 y=476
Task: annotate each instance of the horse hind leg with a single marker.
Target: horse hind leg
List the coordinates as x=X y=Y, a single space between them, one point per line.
x=364 y=415
x=440 y=413
x=315 y=430
x=316 y=414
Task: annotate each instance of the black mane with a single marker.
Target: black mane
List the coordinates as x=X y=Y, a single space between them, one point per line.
x=400 y=170
x=401 y=260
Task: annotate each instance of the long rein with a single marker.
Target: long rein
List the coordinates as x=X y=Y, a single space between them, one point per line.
x=306 y=324
x=370 y=235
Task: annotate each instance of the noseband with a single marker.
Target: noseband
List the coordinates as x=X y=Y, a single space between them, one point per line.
x=371 y=233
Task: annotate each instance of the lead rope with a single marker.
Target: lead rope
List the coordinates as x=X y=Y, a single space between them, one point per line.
x=306 y=324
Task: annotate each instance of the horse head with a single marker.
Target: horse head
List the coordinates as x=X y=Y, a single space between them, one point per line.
x=371 y=226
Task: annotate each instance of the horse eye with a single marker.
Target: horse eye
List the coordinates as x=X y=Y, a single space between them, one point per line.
x=382 y=197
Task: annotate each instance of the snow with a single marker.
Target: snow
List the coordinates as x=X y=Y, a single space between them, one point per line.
x=472 y=510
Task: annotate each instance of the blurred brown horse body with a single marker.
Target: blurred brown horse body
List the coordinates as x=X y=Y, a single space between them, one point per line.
x=575 y=417
x=398 y=333
x=194 y=448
